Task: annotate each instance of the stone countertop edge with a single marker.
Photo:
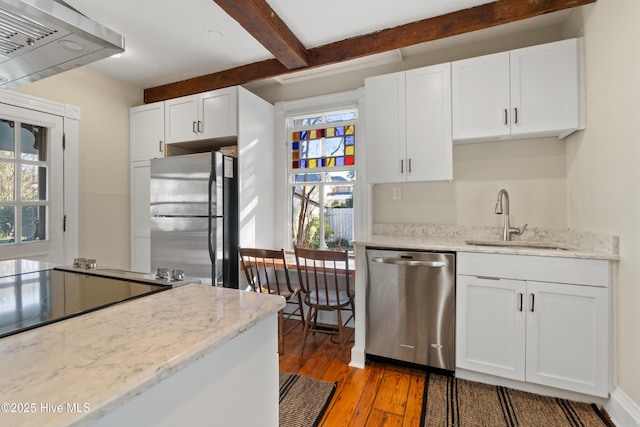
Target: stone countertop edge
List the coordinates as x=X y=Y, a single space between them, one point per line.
x=108 y=357
x=457 y=245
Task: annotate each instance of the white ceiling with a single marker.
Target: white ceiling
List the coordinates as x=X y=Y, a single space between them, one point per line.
x=172 y=40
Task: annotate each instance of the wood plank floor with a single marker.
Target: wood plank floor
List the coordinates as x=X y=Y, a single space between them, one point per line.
x=379 y=395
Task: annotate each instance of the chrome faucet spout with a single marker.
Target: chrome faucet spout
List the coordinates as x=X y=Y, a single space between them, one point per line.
x=502 y=208
x=499 y=207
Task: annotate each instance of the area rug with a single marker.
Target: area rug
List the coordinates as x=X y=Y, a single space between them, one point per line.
x=451 y=402
x=303 y=400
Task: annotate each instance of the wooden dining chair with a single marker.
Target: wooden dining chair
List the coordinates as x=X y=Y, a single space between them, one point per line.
x=266 y=272
x=324 y=280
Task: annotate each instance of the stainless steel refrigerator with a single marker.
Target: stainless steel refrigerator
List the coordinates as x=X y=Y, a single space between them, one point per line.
x=194 y=216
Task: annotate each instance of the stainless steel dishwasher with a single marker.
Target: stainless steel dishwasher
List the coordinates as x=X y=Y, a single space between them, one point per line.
x=411 y=307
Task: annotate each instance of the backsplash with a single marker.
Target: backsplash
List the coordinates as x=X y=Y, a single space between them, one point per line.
x=574 y=238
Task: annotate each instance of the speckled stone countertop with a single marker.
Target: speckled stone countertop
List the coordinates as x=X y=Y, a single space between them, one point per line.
x=101 y=360
x=572 y=244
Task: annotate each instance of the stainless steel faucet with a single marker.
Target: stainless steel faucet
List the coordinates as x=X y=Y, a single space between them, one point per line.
x=507 y=230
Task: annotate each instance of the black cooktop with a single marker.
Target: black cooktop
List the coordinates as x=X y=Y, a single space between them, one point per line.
x=36 y=299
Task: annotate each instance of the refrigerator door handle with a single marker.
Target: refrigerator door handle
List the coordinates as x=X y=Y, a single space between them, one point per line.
x=212 y=252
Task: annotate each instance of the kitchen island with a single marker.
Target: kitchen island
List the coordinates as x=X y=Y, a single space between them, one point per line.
x=193 y=355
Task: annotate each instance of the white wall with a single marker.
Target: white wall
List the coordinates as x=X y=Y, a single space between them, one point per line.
x=104 y=157
x=603 y=163
x=532 y=171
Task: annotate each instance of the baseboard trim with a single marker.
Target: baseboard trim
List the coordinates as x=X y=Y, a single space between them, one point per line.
x=622 y=409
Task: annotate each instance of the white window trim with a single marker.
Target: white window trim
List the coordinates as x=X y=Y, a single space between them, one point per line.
x=71 y=128
x=362 y=192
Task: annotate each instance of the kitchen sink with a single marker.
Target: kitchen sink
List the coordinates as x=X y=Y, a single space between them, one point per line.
x=519 y=244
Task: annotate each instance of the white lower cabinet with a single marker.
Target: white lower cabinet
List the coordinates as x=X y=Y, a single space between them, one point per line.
x=542 y=332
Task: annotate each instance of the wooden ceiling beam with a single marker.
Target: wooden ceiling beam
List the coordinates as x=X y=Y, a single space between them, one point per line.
x=476 y=18
x=262 y=22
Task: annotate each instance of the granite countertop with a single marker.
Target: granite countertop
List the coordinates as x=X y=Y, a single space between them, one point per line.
x=452 y=239
x=101 y=360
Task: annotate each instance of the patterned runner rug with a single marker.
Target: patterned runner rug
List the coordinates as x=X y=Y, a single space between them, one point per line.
x=303 y=400
x=451 y=402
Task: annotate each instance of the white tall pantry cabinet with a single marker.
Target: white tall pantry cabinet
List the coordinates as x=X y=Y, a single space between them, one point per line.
x=229 y=116
x=146 y=140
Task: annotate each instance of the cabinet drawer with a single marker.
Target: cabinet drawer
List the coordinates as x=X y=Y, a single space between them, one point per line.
x=577 y=271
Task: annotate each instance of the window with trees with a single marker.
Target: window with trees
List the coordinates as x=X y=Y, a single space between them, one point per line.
x=322 y=175
x=23 y=182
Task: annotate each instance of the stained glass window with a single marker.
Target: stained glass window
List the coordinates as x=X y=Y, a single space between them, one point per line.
x=322 y=176
x=328 y=146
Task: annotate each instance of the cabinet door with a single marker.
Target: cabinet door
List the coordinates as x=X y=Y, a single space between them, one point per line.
x=567 y=337
x=140 y=217
x=480 y=97
x=490 y=330
x=218 y=113
x=386 y=128
x=181 y=119
x=545 y=88
x=146 y=131
x=429 y=145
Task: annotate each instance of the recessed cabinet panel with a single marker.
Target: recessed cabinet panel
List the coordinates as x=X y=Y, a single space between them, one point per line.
x=544 y=88
x=181 y=119
x=146 y=131
x=386 y=131
x=219 y=113
x=429 y=143
x=567 y=336
x=491 y=339
x=480 y=97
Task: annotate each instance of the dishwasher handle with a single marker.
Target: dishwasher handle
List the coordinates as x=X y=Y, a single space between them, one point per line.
x=410 y=262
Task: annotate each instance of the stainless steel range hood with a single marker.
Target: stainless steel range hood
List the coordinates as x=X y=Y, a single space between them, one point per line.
x=40 y=38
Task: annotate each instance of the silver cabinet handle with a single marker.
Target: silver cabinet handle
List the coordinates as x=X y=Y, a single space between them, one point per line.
x=516 y=115
x=410 y=262
x=533 y=300
x=506 y=117
x=194 y=127
x=401 y=166
x=520 y=306
x=199 y=126
x=409 y=165
x=161 y=146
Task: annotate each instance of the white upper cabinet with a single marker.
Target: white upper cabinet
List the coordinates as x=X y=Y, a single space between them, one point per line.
x=146 y=131
x=531 y=92
x=409 y=126
x=206 y=115
x=386 y=129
